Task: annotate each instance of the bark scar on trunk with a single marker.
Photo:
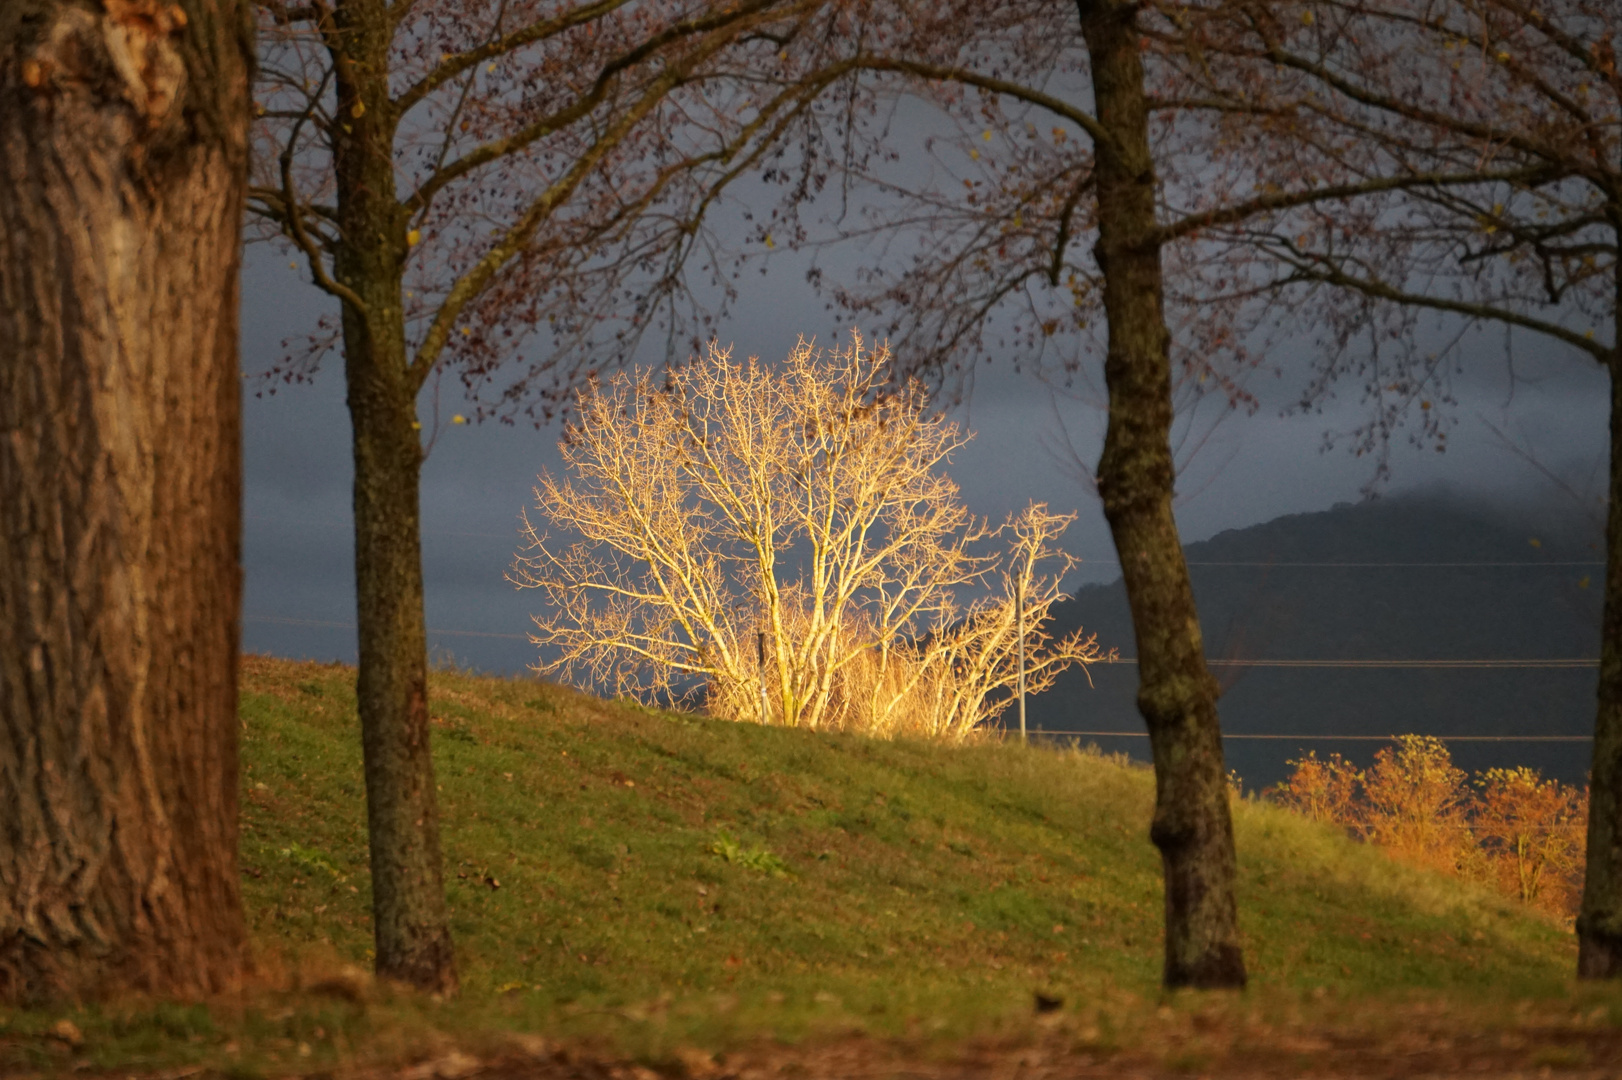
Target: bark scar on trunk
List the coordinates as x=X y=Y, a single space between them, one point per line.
x=131 y=55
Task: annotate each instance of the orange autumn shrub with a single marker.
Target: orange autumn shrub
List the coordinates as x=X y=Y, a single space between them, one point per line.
x=1321 y=790
x=1532 y=829
x=1415 y=803
x=1511 y=827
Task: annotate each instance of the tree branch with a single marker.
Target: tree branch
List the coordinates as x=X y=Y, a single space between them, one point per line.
x=943 y=73
x=1285 y=200
x=1307 y=267
x=293 y=218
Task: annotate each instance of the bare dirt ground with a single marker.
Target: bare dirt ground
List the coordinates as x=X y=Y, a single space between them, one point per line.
x=1580 y=1049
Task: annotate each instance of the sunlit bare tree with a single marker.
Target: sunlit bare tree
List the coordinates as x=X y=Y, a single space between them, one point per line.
x=788 y=538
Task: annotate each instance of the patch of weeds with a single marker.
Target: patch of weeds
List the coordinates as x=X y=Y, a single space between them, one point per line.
x=312 y=862
x=757 y=859
x=541 y=705
x=458 y=729
x=313 y=689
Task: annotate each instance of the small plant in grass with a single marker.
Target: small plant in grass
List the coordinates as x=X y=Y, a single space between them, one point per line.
x=311 y=862
x=757 y=859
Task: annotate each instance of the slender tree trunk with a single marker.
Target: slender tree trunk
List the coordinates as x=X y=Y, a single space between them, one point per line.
x=123 y=134
x=1176 y=694
x=412 y=933
x=1599 y=925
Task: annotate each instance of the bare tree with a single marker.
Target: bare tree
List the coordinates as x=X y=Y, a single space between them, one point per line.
x=123 y=162
x=508 y=191
x=1030 y=177
x=1085 y=182
x=739 y=507
x=1521 y=106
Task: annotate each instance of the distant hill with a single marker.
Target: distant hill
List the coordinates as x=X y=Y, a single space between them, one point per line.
x=1420 y=577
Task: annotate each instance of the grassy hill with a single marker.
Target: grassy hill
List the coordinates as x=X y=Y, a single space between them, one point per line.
x=655 y=879
x=641 y=852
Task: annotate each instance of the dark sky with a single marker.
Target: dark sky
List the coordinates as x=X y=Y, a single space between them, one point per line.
x=298 y=551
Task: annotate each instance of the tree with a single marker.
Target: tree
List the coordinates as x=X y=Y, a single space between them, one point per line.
x=1416 y=802
x=123 y=160
x=1521 y=832
x=1532 y=826
x=1323 y=790
x=1165 y=178
x=1009 y=238
x=1500 y=125
x=479 y=180
x=739 y=508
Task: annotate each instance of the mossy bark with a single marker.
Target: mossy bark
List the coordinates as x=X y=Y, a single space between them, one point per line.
x=123 y=164
x=1177 y=696
x=1599 y=923
x=413 y=941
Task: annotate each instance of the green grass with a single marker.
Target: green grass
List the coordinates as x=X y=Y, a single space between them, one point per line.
x=650 y=879
x=676 y=854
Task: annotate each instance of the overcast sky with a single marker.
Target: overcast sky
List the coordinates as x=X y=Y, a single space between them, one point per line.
x=298 y=547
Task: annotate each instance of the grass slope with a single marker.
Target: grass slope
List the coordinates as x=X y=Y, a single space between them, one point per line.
x=599 y=853
x=654 y=879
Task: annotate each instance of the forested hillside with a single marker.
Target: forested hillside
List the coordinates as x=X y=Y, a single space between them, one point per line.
x=1421 y=577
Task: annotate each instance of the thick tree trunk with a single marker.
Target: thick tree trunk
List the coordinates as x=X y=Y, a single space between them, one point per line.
x=1599 y=925
x=122 y=164
x=410 y=923
x=1176 y=694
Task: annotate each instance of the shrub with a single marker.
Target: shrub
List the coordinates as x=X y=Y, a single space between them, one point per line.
x=1533 y=830
x=1515 y=830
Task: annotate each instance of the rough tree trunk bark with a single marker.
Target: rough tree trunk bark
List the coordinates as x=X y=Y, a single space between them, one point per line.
x=410 y=924
x=122 y=167
x=1599 y=924
x=1176 y=695
x=413 y=939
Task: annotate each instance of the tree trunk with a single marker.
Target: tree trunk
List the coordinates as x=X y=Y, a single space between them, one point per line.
x=1176 y=694
x=402 y=812
x=123 y=136
x=409 y=920
x=1599 y=925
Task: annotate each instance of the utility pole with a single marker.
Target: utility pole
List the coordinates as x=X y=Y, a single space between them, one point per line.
x=760 y=659
x=1019 y=628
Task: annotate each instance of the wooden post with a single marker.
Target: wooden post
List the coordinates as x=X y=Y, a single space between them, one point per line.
x=1019 y=617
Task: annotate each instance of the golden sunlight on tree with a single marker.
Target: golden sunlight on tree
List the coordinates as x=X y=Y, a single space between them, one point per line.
x=1517 y=831
x=786 y=540
x=1533 y=828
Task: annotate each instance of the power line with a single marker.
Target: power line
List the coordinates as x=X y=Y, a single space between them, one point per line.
x=1427 y=565
x=1334 y=738
x=1511 y=663
x=347 y=526
x=328 y=623
x=336 y=625
x=1439 y=664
